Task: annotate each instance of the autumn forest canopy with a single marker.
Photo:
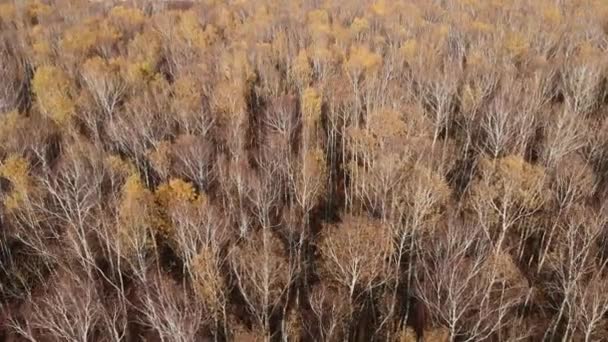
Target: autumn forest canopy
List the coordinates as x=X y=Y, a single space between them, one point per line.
x=303 y=170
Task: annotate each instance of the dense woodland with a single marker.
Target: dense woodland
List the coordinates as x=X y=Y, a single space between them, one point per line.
x=304 y=170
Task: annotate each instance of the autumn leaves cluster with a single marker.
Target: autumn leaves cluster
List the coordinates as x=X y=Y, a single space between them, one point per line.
x=303 y=170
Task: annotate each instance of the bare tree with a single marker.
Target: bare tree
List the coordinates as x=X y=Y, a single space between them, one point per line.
x=457 y=280
x=105 y=84
x=11 y=73
x=509 y=192
x=581 y=84
x=170 y=310
x=577 y=266
x=331 y=310
x=70 y=310
x=193 y=160
x=74 y=198
x=565 y=135
x=263 y=276
x=347 y=259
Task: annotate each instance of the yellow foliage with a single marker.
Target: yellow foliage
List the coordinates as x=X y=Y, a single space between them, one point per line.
x=145 y=49
x=191 y=31
x=481 y=27
x=187 y=98
x=319 y=24
x=176 y=190
x=101 y=71
x=342 y=37
x=243 y=334
x=359 y=25
x=135 y=194
x=438 y=334
x=107 y=33
x=386 y=124
x=516 y=44
x=512 y=177
x=302 y=69
x=315 y=164
x=127 y=18
x=235 y=64
x=42 y=50
x=207 y=278
x=7 y=13
x=407 y=335
x=10 y=123
x=409 y=49
x=189 y=26
x=432 y=180
x=14 y=200
x=379 y=7
x=280 y=47
x=160 y=158
x=516 y=169
x=311 y=105
x=426 y=194
x=175 y=197
x=262 y=18
x=361 y=138
x=52 y=88
x=226 y=18
x=16 y=170
x=318 y=17
x=40 y=45
x=90 y=36
x=294 y=325
x=140 y=73
x=119 y=166
x=362 y=59
x=137 y=214
x=470 y=3
x=552 y=15
x=229 y=103
x=502 y=268
x=214 y=82
x=80 y=40
x=378 y=40
x=36 y=10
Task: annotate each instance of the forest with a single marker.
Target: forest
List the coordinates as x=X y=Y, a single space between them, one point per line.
x=303 y=170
